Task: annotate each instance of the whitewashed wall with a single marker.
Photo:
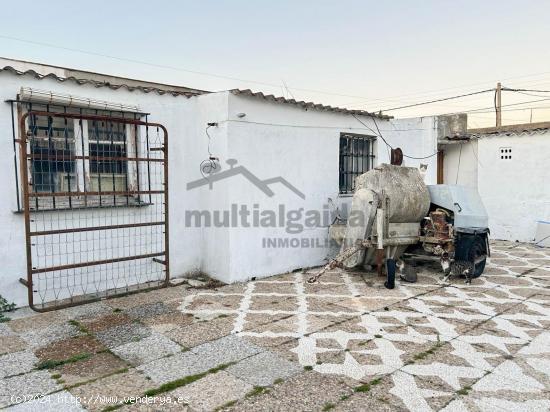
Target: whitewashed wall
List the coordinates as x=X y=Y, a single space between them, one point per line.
x=184 y=119
x=301 y=146
x=272 y=140
x=515 y=192
x=461 y=158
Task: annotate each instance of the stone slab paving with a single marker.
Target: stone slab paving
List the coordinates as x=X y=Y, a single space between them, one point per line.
x=213 y=391
x=264 y=369
x=17 y=363
x=20 y=388
x=147 y=349
x=345 y=343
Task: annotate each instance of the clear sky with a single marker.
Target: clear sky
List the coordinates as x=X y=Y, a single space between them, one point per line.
x=365 y=54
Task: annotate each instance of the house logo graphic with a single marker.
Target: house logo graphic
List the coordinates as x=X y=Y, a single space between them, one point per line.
x=233 y=170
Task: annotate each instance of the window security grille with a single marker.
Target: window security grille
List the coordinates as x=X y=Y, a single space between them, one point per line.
x=356 y=157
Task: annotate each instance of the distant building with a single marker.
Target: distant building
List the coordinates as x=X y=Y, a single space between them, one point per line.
x=509 y=167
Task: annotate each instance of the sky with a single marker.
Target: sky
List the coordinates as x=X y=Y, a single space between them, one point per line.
x=370 y=55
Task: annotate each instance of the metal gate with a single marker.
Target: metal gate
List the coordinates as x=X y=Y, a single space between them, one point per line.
x=95 y=202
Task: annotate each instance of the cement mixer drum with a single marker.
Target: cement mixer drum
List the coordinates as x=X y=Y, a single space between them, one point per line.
x=401 y=192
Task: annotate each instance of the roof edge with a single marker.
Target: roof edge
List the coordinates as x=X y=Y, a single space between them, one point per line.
x=60 y=73
x=306 y=105
x=517 y=128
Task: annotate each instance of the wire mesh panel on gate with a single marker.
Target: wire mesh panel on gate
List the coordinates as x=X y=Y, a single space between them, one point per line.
x=95 y=200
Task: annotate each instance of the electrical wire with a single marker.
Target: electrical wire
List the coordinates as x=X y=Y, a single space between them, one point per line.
x=219 y=76
x=491 y=108
x=458 y=167
x=379 y=134
x=180 y=69
x=508 y=89
x=438 y=100
x=528 y=94
x=210 y=165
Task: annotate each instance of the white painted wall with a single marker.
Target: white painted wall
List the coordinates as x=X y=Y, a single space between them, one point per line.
x=515 y=192
x=461 y=158
x=184 y=118
x=301 y=146
x=272 y=140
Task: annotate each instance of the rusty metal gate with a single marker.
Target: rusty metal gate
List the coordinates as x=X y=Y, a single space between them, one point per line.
x=95 y=204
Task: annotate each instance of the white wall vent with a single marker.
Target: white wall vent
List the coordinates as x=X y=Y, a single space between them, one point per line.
x=506 y=153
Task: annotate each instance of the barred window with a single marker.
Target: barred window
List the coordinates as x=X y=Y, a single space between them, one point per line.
x=356 y=157
x=77 y=155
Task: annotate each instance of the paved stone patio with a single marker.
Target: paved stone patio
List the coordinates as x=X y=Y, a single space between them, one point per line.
x=280 y=344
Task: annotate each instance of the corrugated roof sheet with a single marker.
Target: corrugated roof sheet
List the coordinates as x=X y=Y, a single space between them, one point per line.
x=41 y=71
x=64 y=74
x=512 y=130
x=307 y=105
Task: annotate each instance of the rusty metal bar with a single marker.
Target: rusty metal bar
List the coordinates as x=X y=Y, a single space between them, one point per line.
x=93 y=228
x=28 y=194
x=76 y=157
x=96 y=262
x=166 y=210
x=15 y=158
x=26 y=205
x=102 y=193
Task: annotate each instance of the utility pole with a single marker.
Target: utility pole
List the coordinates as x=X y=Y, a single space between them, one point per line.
x=498 y=104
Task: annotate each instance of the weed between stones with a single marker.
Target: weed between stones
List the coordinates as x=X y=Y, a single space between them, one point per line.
x=257 y=390
x=328 y=406
x=50 y=364
x=367 y=386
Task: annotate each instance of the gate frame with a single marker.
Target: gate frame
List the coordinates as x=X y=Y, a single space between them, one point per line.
x=24 y=156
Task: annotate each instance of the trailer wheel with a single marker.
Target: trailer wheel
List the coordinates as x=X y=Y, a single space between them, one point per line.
x=474 y=247
x=390 y=270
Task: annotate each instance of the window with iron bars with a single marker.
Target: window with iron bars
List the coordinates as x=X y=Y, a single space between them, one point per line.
x=356 y=157
x=53 y=143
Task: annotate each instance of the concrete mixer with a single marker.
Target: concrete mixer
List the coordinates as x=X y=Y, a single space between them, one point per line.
x=393 y=211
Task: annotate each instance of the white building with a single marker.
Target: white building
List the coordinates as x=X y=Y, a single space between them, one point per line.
x=291 y=160
x=509 y=167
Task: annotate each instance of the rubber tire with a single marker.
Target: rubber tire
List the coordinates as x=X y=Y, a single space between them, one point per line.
x=390 y=270
x=476 y=248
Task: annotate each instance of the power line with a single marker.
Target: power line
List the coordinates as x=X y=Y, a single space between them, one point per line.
x=491 y=108
x=179 y=69
x=458 y=167
x=304 y=126
x=213 y=75
x=379 y=134
x=389 y=98
x=525 y=90
x=438 y=100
